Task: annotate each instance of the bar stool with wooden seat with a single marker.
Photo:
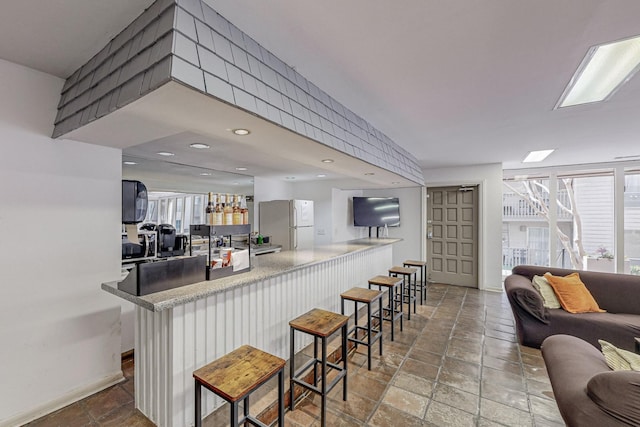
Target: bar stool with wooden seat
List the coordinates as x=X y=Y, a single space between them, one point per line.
x=393 y=311
x=422 y=285
x=368 y=297
x=235 y=376
x=321 y=324
x=407 y=273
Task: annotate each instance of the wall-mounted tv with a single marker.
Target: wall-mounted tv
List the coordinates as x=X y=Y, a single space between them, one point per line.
x=376 y=212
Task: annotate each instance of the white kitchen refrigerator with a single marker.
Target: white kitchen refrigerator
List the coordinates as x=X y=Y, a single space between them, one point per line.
x=288 y=223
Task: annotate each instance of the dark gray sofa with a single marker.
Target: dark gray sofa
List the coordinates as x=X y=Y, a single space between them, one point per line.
x=587 y=392
x=619 y=294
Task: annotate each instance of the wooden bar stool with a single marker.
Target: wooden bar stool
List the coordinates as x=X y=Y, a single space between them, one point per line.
x=235 y=376
x=368 y=297
x=422 y=285
x=408 y=297
x=321 y=324
x=393 y=311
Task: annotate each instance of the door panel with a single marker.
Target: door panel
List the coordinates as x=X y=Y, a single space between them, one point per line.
x=452 y=233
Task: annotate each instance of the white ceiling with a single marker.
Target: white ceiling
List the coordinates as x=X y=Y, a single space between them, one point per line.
x=455 y=82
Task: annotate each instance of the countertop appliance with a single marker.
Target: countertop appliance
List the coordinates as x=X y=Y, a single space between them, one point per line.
x=288 y=222
x=145 y=248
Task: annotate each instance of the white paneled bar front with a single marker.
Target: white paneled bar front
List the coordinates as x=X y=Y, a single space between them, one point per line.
x=172 y=343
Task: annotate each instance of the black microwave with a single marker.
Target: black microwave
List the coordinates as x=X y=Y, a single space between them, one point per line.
x=145 y=248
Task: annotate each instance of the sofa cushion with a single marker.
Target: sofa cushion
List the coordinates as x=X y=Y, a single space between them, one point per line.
x=573 y=294
x=548 y=295
x=618 y=394
x=618 y=329
x=619 y=359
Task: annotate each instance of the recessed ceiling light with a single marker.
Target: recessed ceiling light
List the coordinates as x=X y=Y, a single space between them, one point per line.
x=603 y=70
x=289 y=177
x=321 y=175
x=199 y=146
x=241 y=131
x=165 y=153
x=241 y=168
x=369 y=173
x=395 y=182
x=537 y=156
x=235 y=183
x=129 y=163
x=327 y=161
x=205 y=173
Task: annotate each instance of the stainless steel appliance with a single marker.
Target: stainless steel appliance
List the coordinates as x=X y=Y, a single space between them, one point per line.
x=288 y=222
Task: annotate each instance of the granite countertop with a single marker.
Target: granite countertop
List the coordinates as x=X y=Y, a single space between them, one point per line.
x=262 y=267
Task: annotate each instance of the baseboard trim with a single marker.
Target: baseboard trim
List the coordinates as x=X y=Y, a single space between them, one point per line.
x=62 y=401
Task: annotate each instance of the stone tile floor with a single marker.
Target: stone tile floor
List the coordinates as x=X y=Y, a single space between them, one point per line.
x=111 y=407
x=457 y=363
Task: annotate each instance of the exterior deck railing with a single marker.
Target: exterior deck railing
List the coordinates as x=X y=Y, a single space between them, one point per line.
x=515 y=208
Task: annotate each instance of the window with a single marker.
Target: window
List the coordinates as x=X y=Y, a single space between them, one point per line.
x=573 y=214
x=590 y=202
x=525 y=225
x=632 y=222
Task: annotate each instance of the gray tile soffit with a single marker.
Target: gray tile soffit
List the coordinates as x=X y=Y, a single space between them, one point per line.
x=188 y=42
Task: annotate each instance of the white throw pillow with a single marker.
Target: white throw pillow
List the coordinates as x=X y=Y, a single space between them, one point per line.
x=548 y=295
x=619 y=359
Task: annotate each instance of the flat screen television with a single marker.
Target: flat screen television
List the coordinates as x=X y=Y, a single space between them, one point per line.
x=376 y=212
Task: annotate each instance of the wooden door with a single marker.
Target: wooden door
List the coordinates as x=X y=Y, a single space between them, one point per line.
x=452 y=235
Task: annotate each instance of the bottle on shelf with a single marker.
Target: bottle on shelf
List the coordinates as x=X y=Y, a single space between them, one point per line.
x=210 y=210
x=217 y=216
x=228 y=211
x=244 y=210
x=237 y=214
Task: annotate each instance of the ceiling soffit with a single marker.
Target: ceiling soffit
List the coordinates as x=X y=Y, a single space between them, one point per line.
x=187 y=41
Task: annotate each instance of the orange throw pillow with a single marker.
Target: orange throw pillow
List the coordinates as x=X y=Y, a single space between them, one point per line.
x=573 y=294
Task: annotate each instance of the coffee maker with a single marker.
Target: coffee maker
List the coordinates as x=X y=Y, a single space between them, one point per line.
x=169 y=243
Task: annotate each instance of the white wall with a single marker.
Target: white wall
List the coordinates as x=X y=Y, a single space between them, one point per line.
x=265 y=189
x=342 y=213
x=320 y=193
x=332 y=206
x=490 y=179
x=60 y=222
x=411 y=228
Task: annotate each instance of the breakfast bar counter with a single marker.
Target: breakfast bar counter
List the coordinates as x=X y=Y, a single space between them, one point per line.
x=182 y=329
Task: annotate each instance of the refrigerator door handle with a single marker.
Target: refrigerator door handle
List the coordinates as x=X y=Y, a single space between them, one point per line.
x=295 y=237
x=295 y=216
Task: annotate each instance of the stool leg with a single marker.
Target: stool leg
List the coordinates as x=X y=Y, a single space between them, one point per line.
x=198 y=413
x=281 y=398
x=369 y=335
x=424 y=281
x=421 y=286
x=401 y=304
x=291 y=371
x=355 y=307
x=380 y=326
x=392 y=308
x=344 y=361
x=408 y=291
x=234 y=414
x=415 y=289
x=245 y=408
x=323 y=389
x=315 y=365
